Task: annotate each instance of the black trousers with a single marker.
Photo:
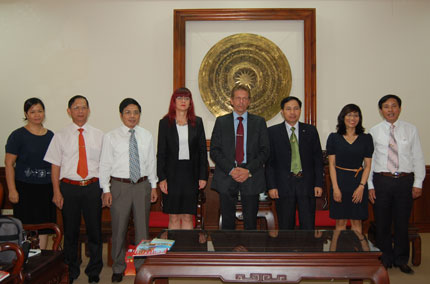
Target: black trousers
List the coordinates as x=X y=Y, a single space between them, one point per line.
x=228 y=201
x=86 y=201
x=393 y=206
x=286 y=207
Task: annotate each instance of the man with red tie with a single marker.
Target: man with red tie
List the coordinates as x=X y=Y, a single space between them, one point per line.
x=239 y=148
x=74 y=153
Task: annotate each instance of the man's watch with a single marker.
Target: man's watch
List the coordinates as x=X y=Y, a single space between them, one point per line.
x=249 y=173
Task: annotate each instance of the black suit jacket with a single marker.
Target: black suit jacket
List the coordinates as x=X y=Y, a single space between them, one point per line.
x=278 y=166
x=222 y=152
x=168 y=150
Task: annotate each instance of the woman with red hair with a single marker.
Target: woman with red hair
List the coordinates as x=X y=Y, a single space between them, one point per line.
x=182 y=164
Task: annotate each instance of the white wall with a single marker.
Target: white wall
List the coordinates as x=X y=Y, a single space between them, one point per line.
x=112 y=49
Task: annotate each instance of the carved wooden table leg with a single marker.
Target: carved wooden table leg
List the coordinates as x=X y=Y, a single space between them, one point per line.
x=416 y=251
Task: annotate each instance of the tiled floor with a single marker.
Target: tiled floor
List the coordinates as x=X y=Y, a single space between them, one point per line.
x=421 y=276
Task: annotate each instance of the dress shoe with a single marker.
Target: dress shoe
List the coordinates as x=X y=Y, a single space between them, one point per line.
x=405 y=269
x=387 y=265
x=93 y=279
x=116 y=277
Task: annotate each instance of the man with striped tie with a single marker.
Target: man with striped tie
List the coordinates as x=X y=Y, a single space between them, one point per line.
x=129 y=181
x=397 y=175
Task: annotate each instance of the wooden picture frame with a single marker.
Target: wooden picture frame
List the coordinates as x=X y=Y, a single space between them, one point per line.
x=181 y=17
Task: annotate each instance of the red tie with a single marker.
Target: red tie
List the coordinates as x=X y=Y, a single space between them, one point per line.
x=239 y=142
x=82 y=163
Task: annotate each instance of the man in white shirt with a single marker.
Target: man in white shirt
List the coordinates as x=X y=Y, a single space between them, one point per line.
x=74 y=153
x=398 y=172
x=129 y=181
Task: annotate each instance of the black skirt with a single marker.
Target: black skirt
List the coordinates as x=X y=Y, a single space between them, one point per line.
x=35 y=203
x=182 y=195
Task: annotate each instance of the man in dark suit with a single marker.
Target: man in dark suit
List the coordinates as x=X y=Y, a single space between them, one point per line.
x=239 y=148
x=294 y=171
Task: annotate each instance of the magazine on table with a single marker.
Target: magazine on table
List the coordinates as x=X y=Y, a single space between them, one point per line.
x=3 y=275
x=153 y=247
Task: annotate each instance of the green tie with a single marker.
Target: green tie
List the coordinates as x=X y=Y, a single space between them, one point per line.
x=296 y=165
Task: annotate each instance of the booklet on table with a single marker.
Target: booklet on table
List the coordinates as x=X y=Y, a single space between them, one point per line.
x=153 y=247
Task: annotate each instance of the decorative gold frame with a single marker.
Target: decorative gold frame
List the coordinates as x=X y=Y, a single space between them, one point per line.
x=306 y=15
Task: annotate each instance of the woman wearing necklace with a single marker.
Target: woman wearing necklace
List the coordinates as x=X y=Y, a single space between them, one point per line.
x=349 y=153
x=182 y=165
x=28 y=176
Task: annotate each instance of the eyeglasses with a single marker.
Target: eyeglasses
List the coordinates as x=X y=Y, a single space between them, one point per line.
x=79 y=108
x=129 y=112
x=243 y=99
x=183 y=98
x=352 y=115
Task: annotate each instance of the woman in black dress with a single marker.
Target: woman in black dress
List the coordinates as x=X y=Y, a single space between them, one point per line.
x=349 y=153
x=28 y=176
x=182 y=165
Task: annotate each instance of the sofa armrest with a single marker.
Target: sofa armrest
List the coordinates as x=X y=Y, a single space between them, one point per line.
x=52 y=226
x=16 y=271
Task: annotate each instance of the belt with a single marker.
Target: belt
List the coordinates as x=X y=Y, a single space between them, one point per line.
x=351 y=170
x=80 y=182
x=298 y=175
x=127 y=180
x=395 y=175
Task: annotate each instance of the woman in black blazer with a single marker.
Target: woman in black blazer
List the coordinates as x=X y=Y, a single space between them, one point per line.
x=182 y=164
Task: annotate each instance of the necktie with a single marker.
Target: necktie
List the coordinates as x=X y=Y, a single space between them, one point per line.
x=393 y=154
x=82 y=163
x=239 y=142
x=296 y=165
x=134 y=158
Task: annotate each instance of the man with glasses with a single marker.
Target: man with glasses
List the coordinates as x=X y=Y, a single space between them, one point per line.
x=239 y=148
x=129 y=181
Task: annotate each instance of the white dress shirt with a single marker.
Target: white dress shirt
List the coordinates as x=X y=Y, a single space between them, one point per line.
x=63 y=151
x=411 y=158
x=290 y=131
x=114 y=160
x=184 y=150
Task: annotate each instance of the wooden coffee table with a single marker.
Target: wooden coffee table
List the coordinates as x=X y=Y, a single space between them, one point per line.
x=263 y=256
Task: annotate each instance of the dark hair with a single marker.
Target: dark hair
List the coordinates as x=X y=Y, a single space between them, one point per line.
x=128 y=101
x=340 y=127
x=171 y=115
x=290 y=98
x=241 y=87
x=74 y=98
x=31 y=102
x=387 y=97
